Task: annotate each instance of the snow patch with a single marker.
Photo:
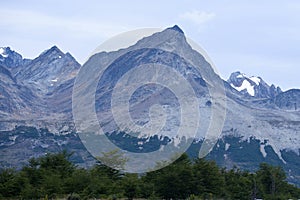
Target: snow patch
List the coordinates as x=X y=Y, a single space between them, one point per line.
x=13 y=138
x=245 y=85
x=44 y=146
x=262 y=150
x=227 y=146
x=3 y=52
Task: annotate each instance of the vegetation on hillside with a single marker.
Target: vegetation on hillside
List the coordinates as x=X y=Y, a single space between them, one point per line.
x=54 y=176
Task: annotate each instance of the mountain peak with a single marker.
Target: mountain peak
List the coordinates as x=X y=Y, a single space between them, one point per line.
x=252 y=85
x=49 y=70
x=52 y=51
x=10 y=58
x=54 y=48
x=176 y=28
x=4 y=51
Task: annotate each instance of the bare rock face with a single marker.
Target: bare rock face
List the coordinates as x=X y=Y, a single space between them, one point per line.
x=289 y=100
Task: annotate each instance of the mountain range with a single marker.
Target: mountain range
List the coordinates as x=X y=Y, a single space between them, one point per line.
x=262 y=122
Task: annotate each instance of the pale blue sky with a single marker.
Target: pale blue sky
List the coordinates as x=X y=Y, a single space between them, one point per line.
x=255 y=37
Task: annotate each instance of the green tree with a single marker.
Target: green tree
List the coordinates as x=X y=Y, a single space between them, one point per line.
x=46 y=175
x=238 y=184
x=173 y=181
x=78 y=181
x=8 y=187
x=57 y=163
x=130 y=184
x=272 y=179
x=208 y=179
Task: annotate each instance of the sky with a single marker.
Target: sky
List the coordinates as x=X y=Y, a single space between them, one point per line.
x=258 y=38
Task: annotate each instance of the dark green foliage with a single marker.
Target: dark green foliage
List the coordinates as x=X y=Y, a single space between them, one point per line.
x=7 y=183
x=207 y=178
x=239 y=184
x=54 y=176
x=273 y=183
x=131 y=184
x=271 y=178
x=57 y=163
x=173 y=181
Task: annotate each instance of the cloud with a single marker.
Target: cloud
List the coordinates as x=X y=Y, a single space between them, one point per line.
x=198 y=17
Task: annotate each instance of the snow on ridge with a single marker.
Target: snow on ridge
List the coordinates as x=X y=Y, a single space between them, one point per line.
x=262 y=150
x=227 y=146
x=255 y=79
x=245 y=85
x=240 y=76
x=3 y=52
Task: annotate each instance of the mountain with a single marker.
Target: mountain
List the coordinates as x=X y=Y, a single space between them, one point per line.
x=262 y=122
x=51 y=76
x=49 y=70
x=11 y=58
x=252 y=86
x=43 y=86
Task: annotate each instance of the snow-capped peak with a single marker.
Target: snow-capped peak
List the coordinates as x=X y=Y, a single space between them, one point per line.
x=241 y=82
x=251 y=85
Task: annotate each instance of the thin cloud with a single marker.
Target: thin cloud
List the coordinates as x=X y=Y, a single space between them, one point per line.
x=198 y=17
x=34 y=22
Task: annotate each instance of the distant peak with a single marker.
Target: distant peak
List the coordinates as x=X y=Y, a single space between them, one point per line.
x=52 y=50
x=239 y=75
x=176 y=28
x=4 y=51
x=236 y=75
x=55 y=48
x=252 y=85
x=5 y=48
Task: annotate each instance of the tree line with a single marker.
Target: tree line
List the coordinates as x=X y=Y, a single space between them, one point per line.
x=54 y=176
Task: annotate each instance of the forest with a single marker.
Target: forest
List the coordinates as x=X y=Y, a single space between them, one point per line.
x=53 y=176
